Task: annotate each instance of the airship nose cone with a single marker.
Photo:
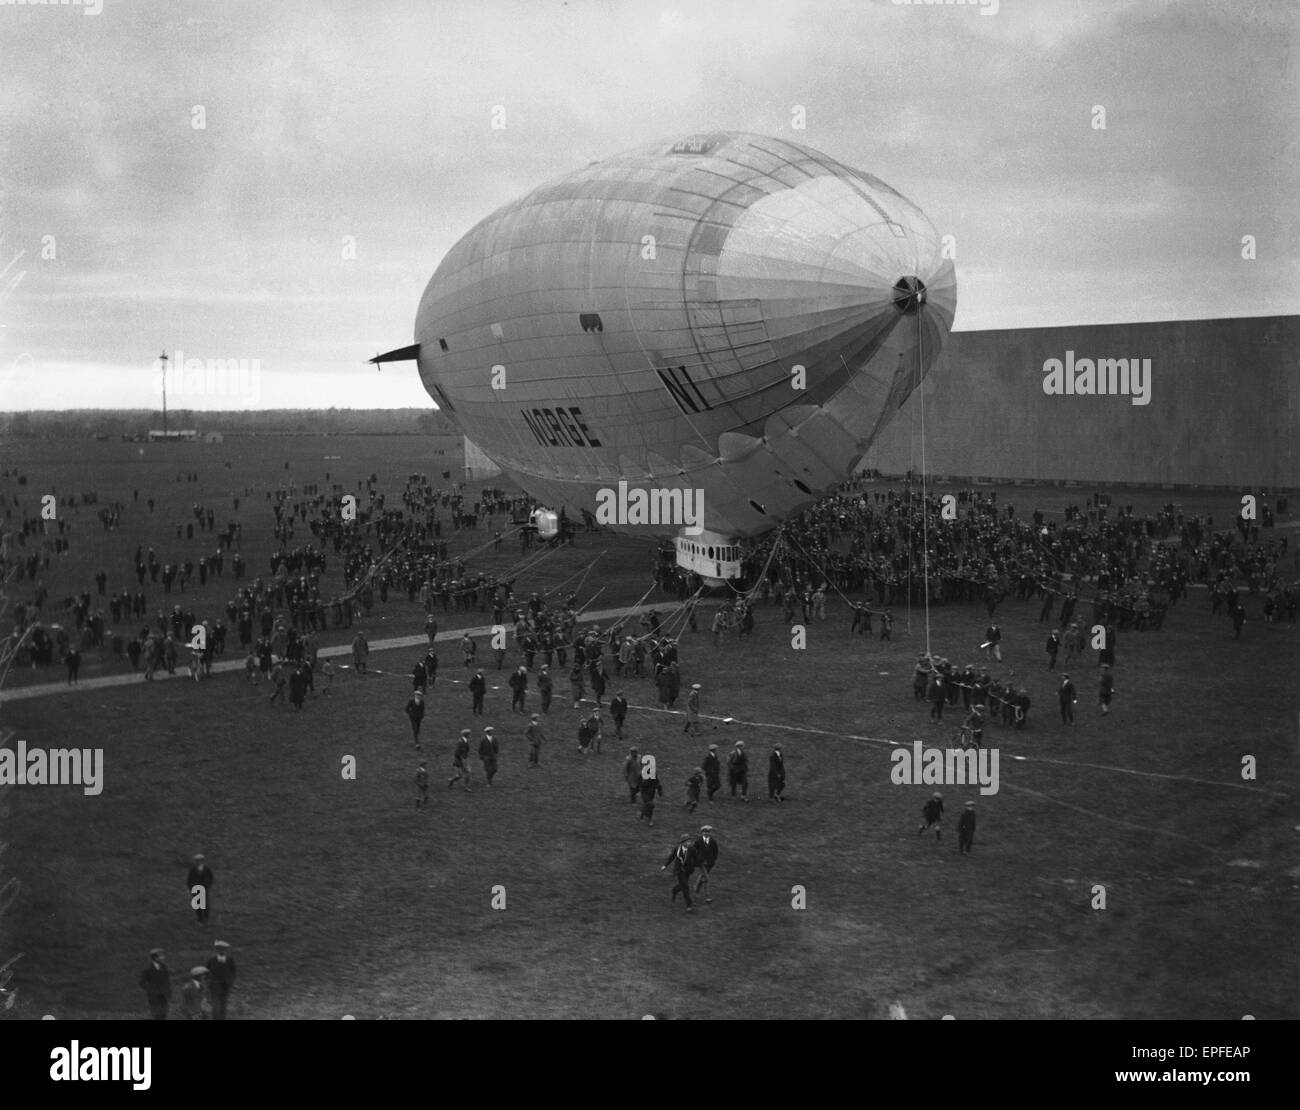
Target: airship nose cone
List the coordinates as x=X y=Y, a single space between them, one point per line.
x=909 y=295
x=837 y=244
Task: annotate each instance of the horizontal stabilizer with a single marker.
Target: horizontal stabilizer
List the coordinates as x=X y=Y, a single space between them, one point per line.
x=402 y=354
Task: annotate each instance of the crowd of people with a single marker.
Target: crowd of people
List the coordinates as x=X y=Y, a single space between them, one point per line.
x=862 y=552
x=376 y=549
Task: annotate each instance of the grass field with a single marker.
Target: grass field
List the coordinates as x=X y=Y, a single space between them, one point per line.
x=339 y=897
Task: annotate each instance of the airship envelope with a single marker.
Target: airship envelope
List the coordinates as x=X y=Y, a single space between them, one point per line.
x=725 y=313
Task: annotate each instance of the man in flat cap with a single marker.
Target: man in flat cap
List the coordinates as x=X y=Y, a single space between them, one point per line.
x=738 y=771
x=518 y=689
x=156 y=982
x=683 y=861
x=460 y=761
x=199 y=880
x=706 y=855
x=712 y=771
x=966 y=829
x=775 y=775
x=194 y=1000
x=535 y=737
x=421 y=786
x=693 y=711
x=693 y=785
x=221 y=978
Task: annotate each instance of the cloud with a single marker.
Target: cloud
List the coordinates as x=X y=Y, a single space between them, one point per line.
x=373 y=124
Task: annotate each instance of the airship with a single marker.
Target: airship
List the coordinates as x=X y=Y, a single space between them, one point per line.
x=694 y=339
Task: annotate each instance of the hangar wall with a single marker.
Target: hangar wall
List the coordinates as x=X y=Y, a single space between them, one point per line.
x=1224 y=407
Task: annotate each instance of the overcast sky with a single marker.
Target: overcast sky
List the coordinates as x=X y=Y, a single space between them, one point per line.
x=325 y=120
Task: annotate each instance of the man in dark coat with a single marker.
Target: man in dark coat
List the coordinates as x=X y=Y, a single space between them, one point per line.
x=706 y=855
x=937 y=694
x=297 y=686
x=221 y=978
x=1107 y=690
x=488 y=750
x=683 y=861
x=535 y=737
x=693 y=784
x=932 y=814
x=966 y=680
x=478 y=687
x=194 y=995
x=460 y=761
x=632 y=774
x=156 y=982
x=518 y=689
x=966 y=829
x=1067 y=697
x=775 y=775
x=738 y=771
x=712 y=771
x=1053 y=646
x=1108 y=652
x=921 y=672
x=650 y=789
x=199 y=880
x=415 y=711
x=693 y=711
x=618 y=709
x=1049 y=600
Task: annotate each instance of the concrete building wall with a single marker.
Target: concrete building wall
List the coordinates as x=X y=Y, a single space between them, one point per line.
x=1224 y=408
